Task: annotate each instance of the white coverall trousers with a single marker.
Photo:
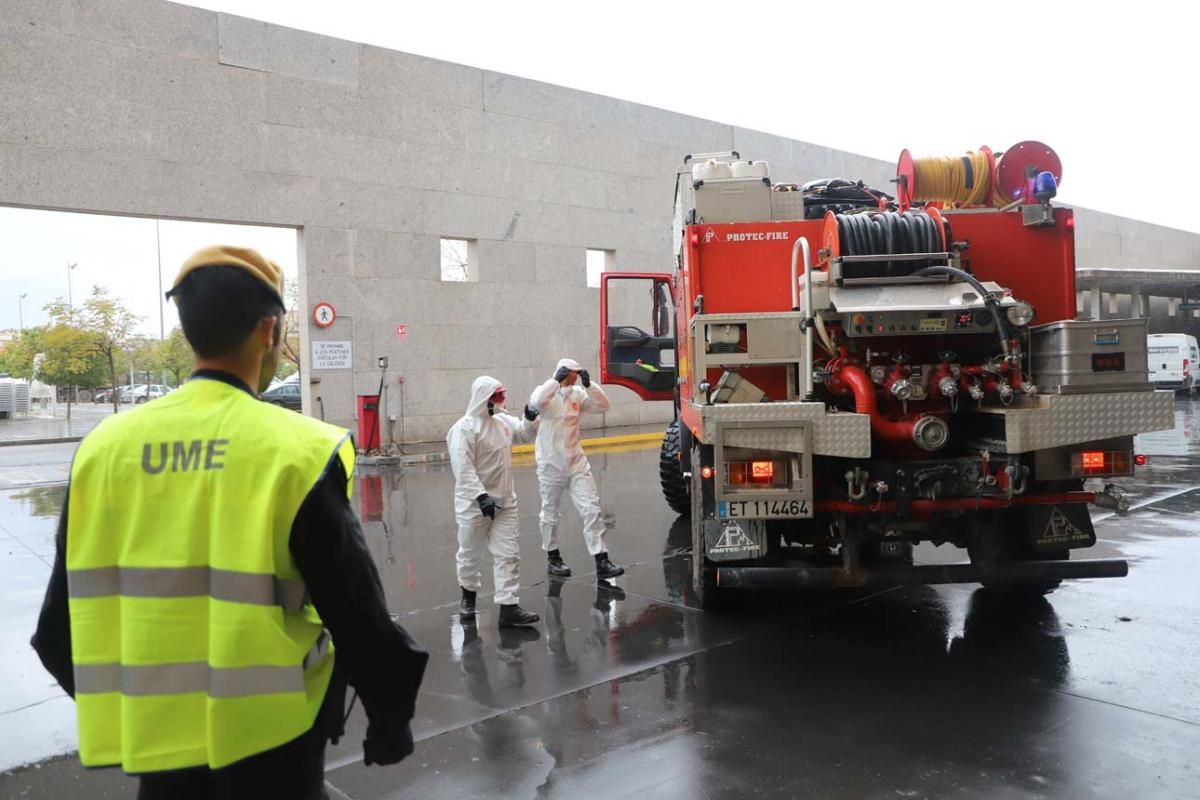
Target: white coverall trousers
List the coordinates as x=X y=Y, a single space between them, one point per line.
x=500 y=536
x=582 y=488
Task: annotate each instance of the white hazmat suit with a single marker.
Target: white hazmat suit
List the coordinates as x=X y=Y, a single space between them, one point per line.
x=561 y=464
x=480 y=447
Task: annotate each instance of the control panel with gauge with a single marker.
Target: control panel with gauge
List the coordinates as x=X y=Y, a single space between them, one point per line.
x=885 y=323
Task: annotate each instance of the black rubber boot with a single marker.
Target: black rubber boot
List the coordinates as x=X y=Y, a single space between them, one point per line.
x=606 y=593
x=605 y=568
x=555 y=566
x=513 y=615
x=512 y=638
x=466 y=606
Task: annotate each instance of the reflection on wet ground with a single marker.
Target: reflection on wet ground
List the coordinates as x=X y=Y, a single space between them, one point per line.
x=628 y=689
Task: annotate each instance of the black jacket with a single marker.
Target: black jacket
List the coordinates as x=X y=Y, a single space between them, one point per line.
x=375 y=655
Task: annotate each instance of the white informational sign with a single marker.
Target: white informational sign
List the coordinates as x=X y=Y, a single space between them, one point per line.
x=332 y=355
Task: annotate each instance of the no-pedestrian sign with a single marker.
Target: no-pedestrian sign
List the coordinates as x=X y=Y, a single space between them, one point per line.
x=402 y=332
x=324 y=315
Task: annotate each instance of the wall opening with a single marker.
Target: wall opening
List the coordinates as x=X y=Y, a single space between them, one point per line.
x=460 y=260
x=599 y=262
x=62 y=269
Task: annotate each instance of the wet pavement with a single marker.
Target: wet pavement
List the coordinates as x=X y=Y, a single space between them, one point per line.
x=630 y=690
x=48 y=426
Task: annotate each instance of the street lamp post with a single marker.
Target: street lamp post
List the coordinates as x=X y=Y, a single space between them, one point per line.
x=70 y=300
x=71 y=305
x=21 y=312
x=162 y=328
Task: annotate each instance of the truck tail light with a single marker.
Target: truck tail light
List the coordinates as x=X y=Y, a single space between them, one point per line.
x=749 y=474
x=1140 y=460
x=1101 y=462
x=762 y=471
x=706 y=473
x=1186 y=369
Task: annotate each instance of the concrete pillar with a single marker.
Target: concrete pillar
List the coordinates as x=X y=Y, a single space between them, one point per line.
x=1094 y=308
x=1173 y=306
x=1137 y=304
x=1080 y=303
x=1114 y=304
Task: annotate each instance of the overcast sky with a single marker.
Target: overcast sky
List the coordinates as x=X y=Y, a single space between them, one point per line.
x=119 y=253
x=1111 y=87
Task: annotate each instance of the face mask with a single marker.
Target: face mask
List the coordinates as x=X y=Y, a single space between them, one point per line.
x=497 y=401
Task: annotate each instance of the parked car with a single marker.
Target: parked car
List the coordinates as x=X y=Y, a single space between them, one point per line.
x=1173 y=361
x=151 y=391
x=102 y=395
x=285 y=394
x=127 y=392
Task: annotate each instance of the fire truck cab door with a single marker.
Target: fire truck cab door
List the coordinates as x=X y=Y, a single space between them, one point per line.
x=637 y=343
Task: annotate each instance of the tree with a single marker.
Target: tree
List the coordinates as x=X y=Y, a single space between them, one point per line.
x=143 y=357
x=70 y=358
x=291 y=327
x=111 y=325
x=174 y=355
x=17 y=356
x=286 y=370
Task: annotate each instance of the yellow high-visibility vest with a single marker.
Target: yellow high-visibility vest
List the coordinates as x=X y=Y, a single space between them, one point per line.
x=192 y=636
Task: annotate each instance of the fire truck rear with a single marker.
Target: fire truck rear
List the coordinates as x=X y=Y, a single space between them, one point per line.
x=854 y=374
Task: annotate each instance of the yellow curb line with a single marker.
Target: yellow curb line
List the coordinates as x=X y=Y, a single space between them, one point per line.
x=603 y=441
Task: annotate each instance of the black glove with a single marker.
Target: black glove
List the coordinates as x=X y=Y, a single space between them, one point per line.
x=584 y=378
x=487 y=505
x=561 y=374
x=390 y=748
x=531 y=412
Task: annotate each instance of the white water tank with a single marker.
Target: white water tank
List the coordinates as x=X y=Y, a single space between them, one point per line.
x=711 y=170
x=749 y=169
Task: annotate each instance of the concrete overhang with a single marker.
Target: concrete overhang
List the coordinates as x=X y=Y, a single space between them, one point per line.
x=1149 y=282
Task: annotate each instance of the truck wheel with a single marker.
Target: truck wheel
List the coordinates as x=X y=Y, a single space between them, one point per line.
x=670 y=472
x=1011 y=553
x=704 y=584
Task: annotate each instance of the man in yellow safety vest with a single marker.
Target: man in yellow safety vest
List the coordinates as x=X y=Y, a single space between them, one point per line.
x=208 y=563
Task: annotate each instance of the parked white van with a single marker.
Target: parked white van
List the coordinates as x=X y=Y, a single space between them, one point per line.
x=1174 y=359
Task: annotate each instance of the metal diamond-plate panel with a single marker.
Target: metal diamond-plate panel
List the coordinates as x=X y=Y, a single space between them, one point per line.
x=787 y=206
x=1061 y=420
x=788 y=440
x=845 y=435
x=839 y=434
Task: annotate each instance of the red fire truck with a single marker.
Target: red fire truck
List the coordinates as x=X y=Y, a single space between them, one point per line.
x=854 y=374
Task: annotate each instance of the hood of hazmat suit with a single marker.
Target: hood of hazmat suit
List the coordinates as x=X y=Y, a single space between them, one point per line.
x=559 y=453
x=480 y=446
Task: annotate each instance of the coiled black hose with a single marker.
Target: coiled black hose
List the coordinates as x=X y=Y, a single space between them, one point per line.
x=887 y=233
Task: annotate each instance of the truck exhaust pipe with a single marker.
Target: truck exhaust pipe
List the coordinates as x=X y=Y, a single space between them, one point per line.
x=830 y=578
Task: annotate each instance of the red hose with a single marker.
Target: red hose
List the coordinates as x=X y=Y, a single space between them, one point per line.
x=863 y=390
x=955 y=503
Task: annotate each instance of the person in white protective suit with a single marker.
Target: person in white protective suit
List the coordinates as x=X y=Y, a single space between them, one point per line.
x=562 y=466
x=485 y=498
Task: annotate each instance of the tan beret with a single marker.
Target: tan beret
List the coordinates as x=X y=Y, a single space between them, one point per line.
x=221 y=255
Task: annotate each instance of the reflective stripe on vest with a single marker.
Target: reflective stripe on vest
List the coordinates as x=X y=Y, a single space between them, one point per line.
x=193 y=640
x=219 y=584
x=157 y=679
